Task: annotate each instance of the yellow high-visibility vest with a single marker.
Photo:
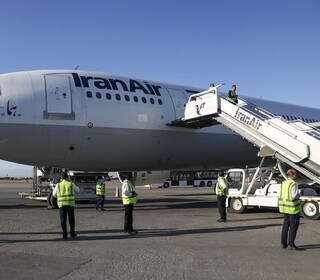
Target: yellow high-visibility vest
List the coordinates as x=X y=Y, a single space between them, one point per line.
x=287 y=204
x=219 y=189
x=65 y=194
x=100 y=189
x=126 y=199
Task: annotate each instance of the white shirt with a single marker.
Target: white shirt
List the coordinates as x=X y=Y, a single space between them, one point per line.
x=295 y=192
x=126 y=190
x=75 y=188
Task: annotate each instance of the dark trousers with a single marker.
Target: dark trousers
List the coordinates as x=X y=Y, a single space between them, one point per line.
x=100 y=201
x=67 y=211
x=128 y=217
x=290 y=227
x=221 y=200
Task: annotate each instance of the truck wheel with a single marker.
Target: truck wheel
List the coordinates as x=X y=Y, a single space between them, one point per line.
x=237 y=205
x=54 y=203
x=209 y=184
x=202 y=184
x=166 y=185
x=310 y=210
x=49 y=205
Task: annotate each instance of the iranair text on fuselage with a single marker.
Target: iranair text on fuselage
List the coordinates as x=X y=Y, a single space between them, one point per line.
x=115 y=84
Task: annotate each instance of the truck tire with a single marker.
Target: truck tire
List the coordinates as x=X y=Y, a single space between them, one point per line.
x=49 y=205
x=53 y=201
x=236 y=205
x=209 y=184
x=166 y=185
x=310 y=210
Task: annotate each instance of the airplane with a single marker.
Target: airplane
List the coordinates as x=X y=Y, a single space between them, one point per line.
x=93 y=121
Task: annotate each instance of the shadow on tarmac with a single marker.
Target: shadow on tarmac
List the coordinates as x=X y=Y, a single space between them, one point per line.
x=310 y=247
x=142 y=233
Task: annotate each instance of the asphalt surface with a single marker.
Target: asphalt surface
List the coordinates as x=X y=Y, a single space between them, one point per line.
x=178 y=238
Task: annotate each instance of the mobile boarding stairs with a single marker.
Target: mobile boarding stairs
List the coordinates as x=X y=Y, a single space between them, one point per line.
x=292 y=142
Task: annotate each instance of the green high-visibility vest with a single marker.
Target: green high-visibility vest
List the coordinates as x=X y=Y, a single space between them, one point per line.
x=65 y=194
x=219 y=189
x=287 y=204
x=232 y=97
x=126 y=199
x=100 y=189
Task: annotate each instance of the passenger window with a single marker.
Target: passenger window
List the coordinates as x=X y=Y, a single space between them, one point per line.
x=118 y=97
x=144 y=100
x=159 y=101
x=89 y=94
x=127 y=98
x=108 y=95
x=98 y=95
x=151 y=100
x=135 y=98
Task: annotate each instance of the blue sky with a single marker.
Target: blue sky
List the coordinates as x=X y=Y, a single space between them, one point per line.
x=269 y=48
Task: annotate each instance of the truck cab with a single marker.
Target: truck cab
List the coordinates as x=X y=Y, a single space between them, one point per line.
x=260 y=187
x=252 y=187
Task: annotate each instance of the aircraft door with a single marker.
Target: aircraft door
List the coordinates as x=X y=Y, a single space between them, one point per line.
x=179 y=101
x=58 y=97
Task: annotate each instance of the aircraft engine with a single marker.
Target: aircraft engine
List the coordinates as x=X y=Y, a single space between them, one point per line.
x=146 y=177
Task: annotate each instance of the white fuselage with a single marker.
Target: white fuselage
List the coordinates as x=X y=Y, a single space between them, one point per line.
x=94 y=121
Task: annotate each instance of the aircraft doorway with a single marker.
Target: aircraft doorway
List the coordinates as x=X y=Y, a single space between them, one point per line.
x=58 y=97
x=179 y=101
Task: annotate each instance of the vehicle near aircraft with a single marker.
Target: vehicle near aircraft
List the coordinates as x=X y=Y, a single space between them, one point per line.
x=294 y=143
x=198 y=178
x=92 y=121
x=260 y=187
x=44 y=184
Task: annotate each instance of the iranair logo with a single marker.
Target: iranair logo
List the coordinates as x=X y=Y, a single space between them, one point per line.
x=115 y=84
x=199 y=107
x=247 y=119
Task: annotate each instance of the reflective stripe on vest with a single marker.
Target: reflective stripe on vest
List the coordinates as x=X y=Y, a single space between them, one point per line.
x=219 y=189
x=287 y=204
x=126 y=199
x=65 y=194
x=100 y=189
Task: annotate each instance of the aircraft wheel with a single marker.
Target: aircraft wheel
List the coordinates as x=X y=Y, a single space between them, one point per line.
x=237 y=205
x=310 y=210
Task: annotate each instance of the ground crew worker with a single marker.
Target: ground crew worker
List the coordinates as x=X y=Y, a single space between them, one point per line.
x=222 y=192
x=129 y=198
x=289 y=204
x=232 y=96
x=64 y=192
x=100 y=192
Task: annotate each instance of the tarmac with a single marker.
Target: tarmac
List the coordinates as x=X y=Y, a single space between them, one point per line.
x=178 y=238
